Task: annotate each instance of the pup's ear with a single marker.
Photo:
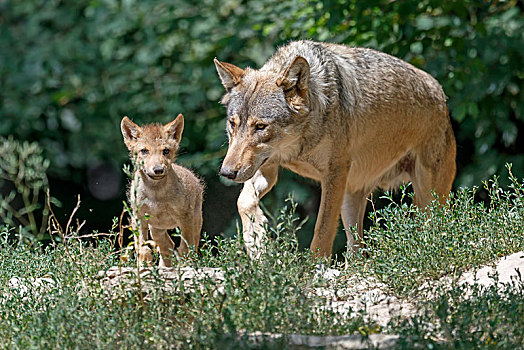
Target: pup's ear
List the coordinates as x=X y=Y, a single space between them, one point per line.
x=130 y=130
x=295 y=79
x=174 y=129
x=230 y=74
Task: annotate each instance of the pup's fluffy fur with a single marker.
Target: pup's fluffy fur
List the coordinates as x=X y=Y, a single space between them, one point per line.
x=163 y=195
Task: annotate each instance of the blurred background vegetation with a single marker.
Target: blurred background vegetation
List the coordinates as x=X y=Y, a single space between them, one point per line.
x=70 y=70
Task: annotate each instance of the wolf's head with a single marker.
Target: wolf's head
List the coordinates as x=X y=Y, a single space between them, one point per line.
x=265 y=111
x=154 y=145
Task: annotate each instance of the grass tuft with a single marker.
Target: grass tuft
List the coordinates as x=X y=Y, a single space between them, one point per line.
x=408 y=246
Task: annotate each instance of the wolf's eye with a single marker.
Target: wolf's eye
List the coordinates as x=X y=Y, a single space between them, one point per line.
x=260 y=127
x=144 y=151
x=165 y=151
x=232 y=125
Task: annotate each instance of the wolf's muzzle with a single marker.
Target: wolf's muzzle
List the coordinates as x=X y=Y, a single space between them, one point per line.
x=229 y=173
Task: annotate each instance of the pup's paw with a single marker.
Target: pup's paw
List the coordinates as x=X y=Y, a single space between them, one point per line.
x=145 y=256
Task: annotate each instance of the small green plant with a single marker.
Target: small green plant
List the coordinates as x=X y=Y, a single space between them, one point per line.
x=130 y=170
x=468 y=317
x=271 y=294
x=408 y=246
x=24 y=180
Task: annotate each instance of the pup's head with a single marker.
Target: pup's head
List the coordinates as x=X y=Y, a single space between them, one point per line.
x=155 y=145
x=265 y=112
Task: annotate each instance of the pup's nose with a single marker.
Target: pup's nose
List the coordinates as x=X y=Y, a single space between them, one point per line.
x=228 y=172
x=158 y=170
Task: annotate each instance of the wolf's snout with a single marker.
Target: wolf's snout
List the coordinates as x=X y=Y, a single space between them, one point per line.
x=158 y=170
x=228 y=172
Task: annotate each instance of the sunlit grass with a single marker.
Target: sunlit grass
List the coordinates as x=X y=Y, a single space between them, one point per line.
x=406 y=247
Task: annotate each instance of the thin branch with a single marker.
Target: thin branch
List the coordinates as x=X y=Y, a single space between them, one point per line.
x=58 y=229
x=52 y=216
x=121 y=229
x=72 y=214
x=92 y=235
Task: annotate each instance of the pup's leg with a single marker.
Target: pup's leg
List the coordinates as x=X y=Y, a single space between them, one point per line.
x=353 y=210
x=333 y=186
x=191 y=229
x=165 y=245
x=253 y=219
x=144 y=252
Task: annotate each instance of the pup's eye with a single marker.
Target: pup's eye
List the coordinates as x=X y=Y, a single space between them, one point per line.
x=260 y=126
x=165 y=151
x=144 y=151
x=232 y=125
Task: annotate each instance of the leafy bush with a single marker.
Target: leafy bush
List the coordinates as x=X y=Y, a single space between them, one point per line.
x=84 y=65
x=408 y=246
x=71 y=70
x=469 y=317
x=24 y=180
x=71 y=310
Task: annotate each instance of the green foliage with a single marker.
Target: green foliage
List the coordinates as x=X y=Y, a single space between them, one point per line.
x=69 y=71
x=69 y=307
x=407 y=246
x=83 y=65
x=23 y=177
x=270 y=294
x=469 y=317
x=71 y=310
x=472 y=47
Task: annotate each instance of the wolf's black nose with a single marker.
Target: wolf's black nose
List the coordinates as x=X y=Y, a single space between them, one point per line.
x=228 y=172
x=158 y=170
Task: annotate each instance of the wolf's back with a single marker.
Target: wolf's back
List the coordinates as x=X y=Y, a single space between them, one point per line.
x=360 y=80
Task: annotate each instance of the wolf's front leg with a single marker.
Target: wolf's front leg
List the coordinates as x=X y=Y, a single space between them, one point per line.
x=333 y=188
x=253 y=219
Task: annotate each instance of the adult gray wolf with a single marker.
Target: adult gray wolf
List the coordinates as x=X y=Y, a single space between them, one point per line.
x=352 y=118
x=163 y=195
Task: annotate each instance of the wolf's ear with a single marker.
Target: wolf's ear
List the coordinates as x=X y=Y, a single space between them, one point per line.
x=230 y=74
x=295 y=79
x=174 y=129
x=130 y=130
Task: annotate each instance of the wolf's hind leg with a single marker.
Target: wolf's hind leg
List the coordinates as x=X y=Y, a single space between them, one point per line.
x=435 y=169
x=253 y=219
x=353 y=210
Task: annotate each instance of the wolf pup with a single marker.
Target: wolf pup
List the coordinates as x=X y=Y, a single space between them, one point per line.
x=351 y=118
x=167 y=194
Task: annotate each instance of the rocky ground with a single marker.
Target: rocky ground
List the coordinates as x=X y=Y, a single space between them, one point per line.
x=354 y=294
x=357 y=294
